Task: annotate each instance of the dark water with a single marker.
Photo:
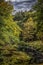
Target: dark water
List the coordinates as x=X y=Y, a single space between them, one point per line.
x=23 y=5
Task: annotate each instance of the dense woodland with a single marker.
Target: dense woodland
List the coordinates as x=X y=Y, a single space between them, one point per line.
x=21 y=35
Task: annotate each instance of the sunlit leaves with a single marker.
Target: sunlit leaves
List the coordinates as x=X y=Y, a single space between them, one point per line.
x=29 y=29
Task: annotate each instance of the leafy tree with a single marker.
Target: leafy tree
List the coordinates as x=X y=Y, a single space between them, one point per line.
x=9 y=30
x=5 y=8
x=29 y=30
x=39 y=12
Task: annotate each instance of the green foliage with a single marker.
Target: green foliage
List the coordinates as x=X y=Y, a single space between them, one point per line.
x=5 y=8
x=10 y=31
x=19 y=38
x=39 y=12
x=8 y=55
x=29 y=30
x=36 y=45
x=21 y=16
